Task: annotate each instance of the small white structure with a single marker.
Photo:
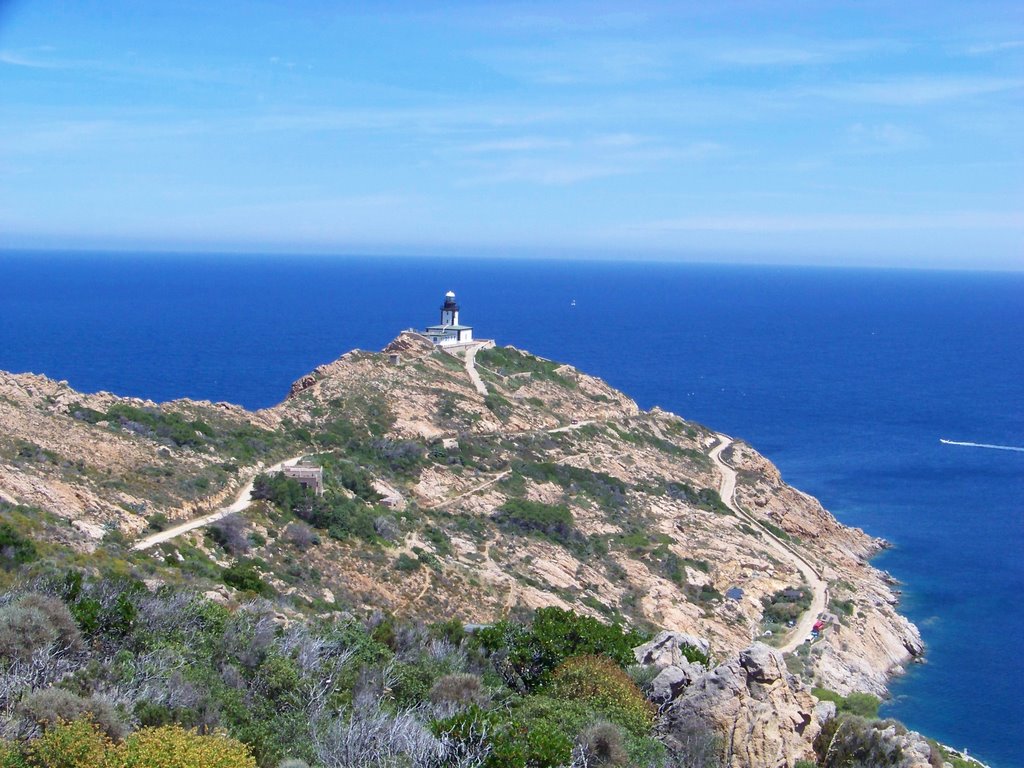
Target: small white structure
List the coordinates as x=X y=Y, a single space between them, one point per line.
x=449 y=331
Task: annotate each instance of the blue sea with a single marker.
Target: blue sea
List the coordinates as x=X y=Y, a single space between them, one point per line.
x=845 y=378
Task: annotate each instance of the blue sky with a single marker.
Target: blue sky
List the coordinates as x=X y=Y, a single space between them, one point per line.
x=884 y=133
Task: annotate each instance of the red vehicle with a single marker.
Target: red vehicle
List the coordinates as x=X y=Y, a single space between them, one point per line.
x=819 y=625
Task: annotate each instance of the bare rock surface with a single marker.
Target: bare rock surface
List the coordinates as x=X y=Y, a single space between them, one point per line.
x=666 y=649
x=767 y=718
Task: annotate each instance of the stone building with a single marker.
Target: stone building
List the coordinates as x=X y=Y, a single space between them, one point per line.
x=310 y=477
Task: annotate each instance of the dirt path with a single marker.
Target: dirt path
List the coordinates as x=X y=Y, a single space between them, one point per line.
x=474 y=375
x=570 y=427
x=475 y=489
x=803 y=628
x=423 y=590
x=242 y=500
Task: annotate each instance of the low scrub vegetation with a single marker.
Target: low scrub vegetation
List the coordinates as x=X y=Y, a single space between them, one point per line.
x=786 y=604
x=107 y=674
x=856 y=703
x=606 y=491
x=552 y=521
x=506 y=361
x=341 y=516
x=241 y=441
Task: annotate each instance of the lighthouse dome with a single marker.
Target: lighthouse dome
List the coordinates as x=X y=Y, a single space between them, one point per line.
x=449 y=304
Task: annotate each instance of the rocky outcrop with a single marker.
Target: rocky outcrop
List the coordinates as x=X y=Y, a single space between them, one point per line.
x=410 y=343
x=668 y=649
x=764 y=716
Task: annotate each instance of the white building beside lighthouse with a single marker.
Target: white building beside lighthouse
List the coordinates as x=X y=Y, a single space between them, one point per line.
x=449 y=331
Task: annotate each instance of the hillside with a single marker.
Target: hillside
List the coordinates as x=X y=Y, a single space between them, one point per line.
x=551 y=490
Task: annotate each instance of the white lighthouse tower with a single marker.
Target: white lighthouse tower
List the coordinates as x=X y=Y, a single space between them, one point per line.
x=449 y=331
x=449 y=310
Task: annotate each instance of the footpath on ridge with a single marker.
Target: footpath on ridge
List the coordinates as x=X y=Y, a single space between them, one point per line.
x=818 y=585
x=242 y=500
x=474 y=375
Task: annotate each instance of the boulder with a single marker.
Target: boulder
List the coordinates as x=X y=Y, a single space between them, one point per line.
x=665 y=650
x=671 y=681
x=763 y=664
x=764 y=716
x=824 y=711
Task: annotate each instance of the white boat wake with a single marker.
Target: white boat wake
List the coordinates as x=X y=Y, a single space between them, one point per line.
x=944 y=441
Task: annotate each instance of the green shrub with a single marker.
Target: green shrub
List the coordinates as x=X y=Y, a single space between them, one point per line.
x=51 y=706
x=339 y=515
x=15 y=549
x=406 y=564
x=155 y=423
x=705 y=498
x=244 y=576
x=78 y=744
x=114 y=615
x=507 y=361
x=35 y=622
x=528 y=653
x=842 y=607
x=608 y=492
x=510 y=741
x=451 y=630
x=849 y=741
x=157 y=522
x=861 y=704
x=786 y=604
x=549 y=521
x=442 y=544
x=602 y=685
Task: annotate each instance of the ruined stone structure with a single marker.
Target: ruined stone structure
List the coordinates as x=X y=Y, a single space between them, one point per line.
x=310 y=477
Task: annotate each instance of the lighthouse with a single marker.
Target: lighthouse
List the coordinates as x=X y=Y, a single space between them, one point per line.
x=449 y=310
x=449 y=331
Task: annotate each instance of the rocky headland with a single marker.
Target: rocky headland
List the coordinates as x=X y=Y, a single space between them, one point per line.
x=552 y=489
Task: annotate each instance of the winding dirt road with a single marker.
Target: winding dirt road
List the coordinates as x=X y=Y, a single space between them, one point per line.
x=242 y=500
x=802 y=630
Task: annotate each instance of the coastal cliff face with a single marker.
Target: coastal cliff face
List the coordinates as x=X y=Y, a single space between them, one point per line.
x=552 y=489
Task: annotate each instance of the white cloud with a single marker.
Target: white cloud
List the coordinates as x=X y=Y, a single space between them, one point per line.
x=27 y=60
x=887 y=137
x=915 y=91
x=620 y=140
x=984 y=49
x=587 y=63
x=840 y=222
x=546 y=174
x=521 y=144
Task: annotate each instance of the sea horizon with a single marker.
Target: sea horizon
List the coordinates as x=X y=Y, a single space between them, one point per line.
x=492 y=254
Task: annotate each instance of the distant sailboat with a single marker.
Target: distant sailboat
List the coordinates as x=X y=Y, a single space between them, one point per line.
x=572 y=303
